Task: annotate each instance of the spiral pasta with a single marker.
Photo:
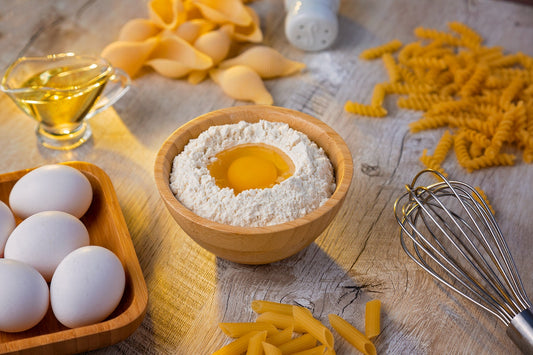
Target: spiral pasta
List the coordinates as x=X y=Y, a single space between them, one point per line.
x=378 y=51
x=482 y=94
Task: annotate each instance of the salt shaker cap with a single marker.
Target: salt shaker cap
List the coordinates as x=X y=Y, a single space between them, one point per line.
x=311 y=25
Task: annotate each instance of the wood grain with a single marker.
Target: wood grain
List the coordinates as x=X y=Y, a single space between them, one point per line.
x=358 y=257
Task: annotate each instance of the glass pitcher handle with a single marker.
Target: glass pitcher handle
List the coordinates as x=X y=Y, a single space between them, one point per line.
x=117 y=85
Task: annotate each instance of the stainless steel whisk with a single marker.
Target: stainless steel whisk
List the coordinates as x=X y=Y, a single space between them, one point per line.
x=448 y=229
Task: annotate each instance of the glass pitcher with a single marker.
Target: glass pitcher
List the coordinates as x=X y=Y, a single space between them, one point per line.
x=61 y=91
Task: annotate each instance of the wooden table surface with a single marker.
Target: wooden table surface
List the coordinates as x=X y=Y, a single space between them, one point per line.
x=359 y=256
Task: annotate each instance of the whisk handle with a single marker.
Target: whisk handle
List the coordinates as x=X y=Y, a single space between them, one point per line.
x=520 y=330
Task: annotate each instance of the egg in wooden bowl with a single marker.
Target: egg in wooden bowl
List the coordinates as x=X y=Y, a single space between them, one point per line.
x=209 y=170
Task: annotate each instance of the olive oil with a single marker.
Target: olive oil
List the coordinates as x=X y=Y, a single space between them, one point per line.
x=62 y=96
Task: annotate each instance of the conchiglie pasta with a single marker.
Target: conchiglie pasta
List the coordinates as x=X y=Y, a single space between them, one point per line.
x=174 y=58
x=187 y=38
x=215 y=44
x=265 y=61
x=191 y=30
x=249 y=33
x=242 y=83
x=129 y=56
x=231 y=11
x=138 y=30
x=166 y=13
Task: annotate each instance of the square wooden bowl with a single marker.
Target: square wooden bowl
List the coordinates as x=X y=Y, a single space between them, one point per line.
x=107 y=228
x=256 y=245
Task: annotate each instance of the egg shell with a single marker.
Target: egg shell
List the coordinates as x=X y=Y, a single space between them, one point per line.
x=24 y=298
x=53 y=187
x=7 y=224
x=44 y=239
x=87 y=286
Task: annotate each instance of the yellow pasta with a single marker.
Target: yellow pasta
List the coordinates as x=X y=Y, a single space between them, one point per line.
x=473 y=85
x=242 y=83
x=300 y=340
x=443 y=37
x=261 y=306
x=270 y=349
x=313 y=326
x=482 y=94
x=232 y=11
x=317 y=350
x=188 y=38
x=281 y=337
x=352 y=335
x=377 y=52
x=365 y=110
x=303 y=342
x=238 y=346
x=265 y=61
x=279 y=320
x=429 y=121
x=468 y=36
x=391 y=67
x=236 y=330
x=255 y=344
x=378 y=95
x=372 y=319
x=249 y=33
x=484 y=198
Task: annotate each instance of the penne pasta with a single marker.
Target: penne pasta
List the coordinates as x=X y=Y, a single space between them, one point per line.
x=238 y=346
x=317 y=350
x=372 y=319
x=270 y=349
x=304 y=320
x=260 y=306
x=279 y=320
x=236 y=330
x=303 y=342
x=352 y=335
x=281 y=337
x=255 y=344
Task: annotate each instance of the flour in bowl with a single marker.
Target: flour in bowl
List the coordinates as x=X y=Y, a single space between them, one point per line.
x=310 y=186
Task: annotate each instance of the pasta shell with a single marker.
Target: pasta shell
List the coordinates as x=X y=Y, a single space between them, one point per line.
x=167 y=13
x=197 y=76
x=265 y=61
x=191 y=30
x=215 y=44
x=138 y=30
x=232 y=11
x=129 y=56
x=175 y=57
x=249 y=33
x=242 y=83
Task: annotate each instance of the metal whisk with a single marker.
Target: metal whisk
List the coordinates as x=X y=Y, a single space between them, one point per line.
x=448 y=229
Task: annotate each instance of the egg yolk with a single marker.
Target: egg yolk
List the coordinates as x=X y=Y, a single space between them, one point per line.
x=251 y=166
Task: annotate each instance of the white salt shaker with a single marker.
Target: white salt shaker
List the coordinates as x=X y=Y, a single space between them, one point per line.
x=311 y=25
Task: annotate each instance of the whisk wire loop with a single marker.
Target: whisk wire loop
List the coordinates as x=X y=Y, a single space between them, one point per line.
x=448 y=229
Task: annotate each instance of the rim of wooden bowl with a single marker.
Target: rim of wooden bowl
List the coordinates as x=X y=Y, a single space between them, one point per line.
x=312 y=127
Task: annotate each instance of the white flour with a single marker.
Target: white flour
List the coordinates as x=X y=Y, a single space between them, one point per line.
x=309 y=187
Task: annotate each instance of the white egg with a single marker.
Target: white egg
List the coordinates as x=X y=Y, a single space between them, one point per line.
x=44 y=239
x=7 y=224
x=51 y=188
x=87 y=286
x=24 y=298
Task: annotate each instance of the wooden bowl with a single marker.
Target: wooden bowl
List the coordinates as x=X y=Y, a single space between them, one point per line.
x=107 y=228
x=255 y=245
